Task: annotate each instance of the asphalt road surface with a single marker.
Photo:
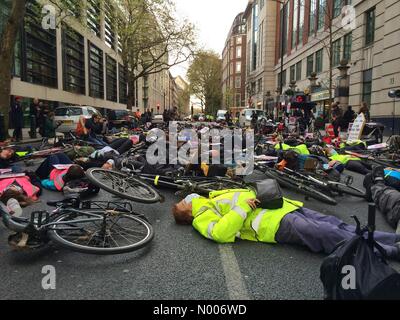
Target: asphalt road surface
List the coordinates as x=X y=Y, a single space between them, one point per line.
x=179 y=264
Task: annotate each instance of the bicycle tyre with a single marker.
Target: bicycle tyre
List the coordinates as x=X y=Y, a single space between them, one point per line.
x=308 y=191
x=342 y=188
x=143 y=193
x=209 y=186
x=55 y=236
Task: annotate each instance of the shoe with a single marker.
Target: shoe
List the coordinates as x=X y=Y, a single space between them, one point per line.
x=368 y=182
x=378 y=174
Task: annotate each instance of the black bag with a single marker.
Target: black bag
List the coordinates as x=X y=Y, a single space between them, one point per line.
x=373 y=279
x=269 y=193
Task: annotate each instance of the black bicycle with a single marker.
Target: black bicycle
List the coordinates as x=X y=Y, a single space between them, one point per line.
x=185 y=185
x=124 y=185
x=313 y=185
x=100 y=228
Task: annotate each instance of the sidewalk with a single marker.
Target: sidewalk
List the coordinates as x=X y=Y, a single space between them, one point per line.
x=26 y=139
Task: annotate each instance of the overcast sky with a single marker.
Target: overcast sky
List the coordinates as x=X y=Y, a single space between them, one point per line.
x=213 y=20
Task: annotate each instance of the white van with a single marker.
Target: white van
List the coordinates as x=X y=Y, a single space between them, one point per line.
x=69 y=116
x=221 y=115
x=246 y=115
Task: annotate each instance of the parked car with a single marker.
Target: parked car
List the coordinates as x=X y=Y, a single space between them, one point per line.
x=246 y=115
x=69 y=116
x=157 y=119
x=118 y=118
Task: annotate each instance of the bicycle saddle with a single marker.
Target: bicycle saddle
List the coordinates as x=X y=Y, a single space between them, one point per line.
x=69 y=201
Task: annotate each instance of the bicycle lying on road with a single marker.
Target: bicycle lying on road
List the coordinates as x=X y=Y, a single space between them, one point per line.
x=101 y=228
x=312 y=185
x=134 y=186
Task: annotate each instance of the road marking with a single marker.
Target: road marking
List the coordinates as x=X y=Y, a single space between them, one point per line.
x=233 y=277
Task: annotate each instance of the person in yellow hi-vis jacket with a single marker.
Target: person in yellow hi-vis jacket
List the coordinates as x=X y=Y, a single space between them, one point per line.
x=234 y=214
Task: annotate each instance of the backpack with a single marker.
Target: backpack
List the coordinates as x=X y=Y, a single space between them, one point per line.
x=373 y=278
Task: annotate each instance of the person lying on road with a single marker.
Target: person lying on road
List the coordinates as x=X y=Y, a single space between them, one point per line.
x=231 y=214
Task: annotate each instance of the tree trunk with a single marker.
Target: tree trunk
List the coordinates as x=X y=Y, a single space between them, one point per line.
x=7 y=46
x=131 y=91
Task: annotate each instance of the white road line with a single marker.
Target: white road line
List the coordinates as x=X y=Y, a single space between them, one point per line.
x=233 y=277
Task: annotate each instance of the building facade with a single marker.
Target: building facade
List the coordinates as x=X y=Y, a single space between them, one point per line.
x=234 y=66
x=376 y=52
x=182 y=96
x=76 y=65
x=315 y=41
x=260 y=16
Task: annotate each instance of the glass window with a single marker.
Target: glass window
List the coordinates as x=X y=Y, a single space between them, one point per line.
x=321 y=14
x=319 y=61
x=295 y=23
x=40 y=54
x=367 y=86
x=238 y=52
x=310 y=65
x=238 y=67
x=93 y=16
x=292 y=73
x=96 y=72
x=298 y=71
x=336 y=47
x=301 y=21
x=238 y=82
x=239 y=40
x=337 y=7
x=111 y=79
x=73 y=61
x=347 y=46
x=123 y=85
x=62 y=112
x=370 y=27
x=109 y=24
x=313 y=13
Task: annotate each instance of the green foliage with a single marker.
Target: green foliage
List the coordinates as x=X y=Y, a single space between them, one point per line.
x=205 y=75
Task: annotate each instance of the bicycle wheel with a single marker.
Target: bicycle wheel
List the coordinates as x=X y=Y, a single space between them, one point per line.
x=122 y=185
x=111 y=233
x=207 y=186
x=300 y=186
x=342 y=188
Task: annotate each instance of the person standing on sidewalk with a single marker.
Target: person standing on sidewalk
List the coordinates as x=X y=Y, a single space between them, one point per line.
x=17 y=119
x=337 y=115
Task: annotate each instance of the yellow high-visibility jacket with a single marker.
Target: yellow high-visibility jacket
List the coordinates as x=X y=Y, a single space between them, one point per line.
x=226 y=216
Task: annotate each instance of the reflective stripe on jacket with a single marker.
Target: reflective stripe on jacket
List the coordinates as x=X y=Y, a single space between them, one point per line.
x=25 y=182
x=302 y=148
x=57 y=176
x=227 y=216
x=343 y=158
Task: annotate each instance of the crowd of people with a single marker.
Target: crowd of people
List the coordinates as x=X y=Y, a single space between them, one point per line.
x=226 y=214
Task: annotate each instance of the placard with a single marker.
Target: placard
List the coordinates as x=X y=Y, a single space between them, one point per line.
x=357 y=128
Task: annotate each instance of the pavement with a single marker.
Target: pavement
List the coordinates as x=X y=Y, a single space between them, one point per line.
x=179 y=264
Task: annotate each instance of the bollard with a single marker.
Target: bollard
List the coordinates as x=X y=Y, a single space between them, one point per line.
x=3 y=135
x=32 y=133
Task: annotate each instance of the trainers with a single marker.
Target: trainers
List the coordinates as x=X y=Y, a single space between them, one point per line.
x=378 y=174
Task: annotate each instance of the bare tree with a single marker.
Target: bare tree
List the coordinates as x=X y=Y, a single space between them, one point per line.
x=152 y=38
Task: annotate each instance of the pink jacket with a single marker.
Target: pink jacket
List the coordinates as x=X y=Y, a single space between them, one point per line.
x=25 y=183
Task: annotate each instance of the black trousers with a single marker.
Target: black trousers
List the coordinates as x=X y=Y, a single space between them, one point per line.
x=359 y=167
x=43 y=172
x=387 y=201
x=122 y=145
